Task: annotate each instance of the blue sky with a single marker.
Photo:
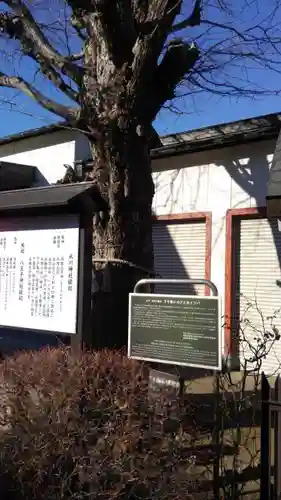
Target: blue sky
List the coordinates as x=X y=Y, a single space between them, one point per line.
x=211 y=111
x=195 y=110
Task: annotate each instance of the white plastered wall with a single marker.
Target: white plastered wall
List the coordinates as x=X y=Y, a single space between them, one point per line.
x=47 y=152
x=214 y=181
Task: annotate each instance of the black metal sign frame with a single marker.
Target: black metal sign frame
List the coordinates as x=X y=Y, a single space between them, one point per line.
x=217 y=364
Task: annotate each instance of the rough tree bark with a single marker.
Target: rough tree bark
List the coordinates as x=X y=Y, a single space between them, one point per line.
x=123 y=172
x=125 y=78
x=124 y=88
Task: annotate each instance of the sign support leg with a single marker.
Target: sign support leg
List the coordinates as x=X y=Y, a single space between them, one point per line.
x=216 y=434
x=84 y=316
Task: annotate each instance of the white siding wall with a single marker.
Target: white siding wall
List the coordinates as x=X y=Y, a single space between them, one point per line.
x=214 y=181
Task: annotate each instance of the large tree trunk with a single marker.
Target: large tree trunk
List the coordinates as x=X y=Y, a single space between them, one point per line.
x=122 y=172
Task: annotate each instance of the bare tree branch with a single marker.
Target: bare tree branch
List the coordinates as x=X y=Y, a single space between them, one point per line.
x=127 y=61
x=77 y=57
x=178 y=60
x=193 y=20
x=14 y=82
x=23 y=27
x=13 y=27
x=147 y=50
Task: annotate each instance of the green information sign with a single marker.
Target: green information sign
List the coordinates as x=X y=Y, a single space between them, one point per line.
x=175 y=329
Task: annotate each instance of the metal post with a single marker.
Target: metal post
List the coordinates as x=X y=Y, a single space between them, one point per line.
x=265 y=459
x=84 y=314
x=277 y=439
x=159 y=281
x=216 y=390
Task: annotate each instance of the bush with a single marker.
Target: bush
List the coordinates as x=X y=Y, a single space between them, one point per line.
x=82 y=426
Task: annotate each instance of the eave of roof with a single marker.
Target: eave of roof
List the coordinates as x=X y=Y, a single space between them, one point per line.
x=56 y=127
x=36 y=132
x=58 y=195
x=219 y=136
x=207 y=138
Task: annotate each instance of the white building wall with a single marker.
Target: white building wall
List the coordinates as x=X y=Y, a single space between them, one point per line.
x=48 y=152
x=214 y=181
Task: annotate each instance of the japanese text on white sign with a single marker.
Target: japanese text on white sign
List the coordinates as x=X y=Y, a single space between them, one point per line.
x=39 y=273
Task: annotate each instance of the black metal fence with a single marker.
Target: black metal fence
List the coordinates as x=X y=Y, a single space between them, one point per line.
x=270 y=484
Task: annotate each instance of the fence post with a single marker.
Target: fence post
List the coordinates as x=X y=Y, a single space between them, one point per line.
x=277 y=441
x=265 y=454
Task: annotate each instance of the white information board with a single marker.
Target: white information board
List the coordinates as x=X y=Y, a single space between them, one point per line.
x=39 y=273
